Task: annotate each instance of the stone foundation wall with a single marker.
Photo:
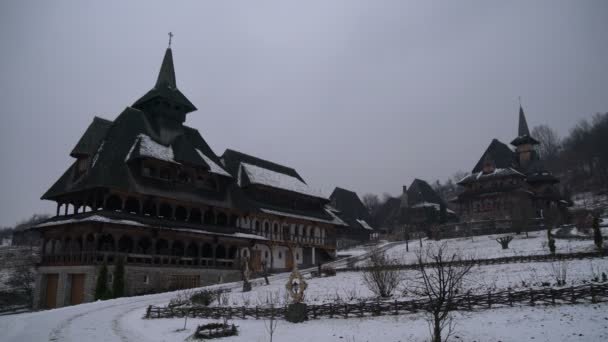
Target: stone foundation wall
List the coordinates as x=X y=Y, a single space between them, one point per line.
x=138 y=280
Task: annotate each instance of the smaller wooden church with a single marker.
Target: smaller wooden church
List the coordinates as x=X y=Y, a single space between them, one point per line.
x=148 y=190
x=509 y=184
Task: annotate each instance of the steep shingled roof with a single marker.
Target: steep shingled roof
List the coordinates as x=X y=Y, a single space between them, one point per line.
x=89 y=142
x=498 y=152
x=166 y=86
x=421 y=192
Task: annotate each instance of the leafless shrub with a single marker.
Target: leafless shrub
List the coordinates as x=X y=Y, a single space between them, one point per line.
x=440 y=280
x=271 y=323
x=504 y=241
x=380 y=276
x=351 y=293
x=559 y=270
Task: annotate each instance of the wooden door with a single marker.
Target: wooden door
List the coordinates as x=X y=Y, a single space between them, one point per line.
x=256 y=260
x=51 y=291
x=77 y=289
x=289 y=260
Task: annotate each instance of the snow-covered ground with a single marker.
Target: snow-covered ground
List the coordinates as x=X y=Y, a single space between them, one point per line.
x=486 y=247
x=563 y=323
x=121 y=319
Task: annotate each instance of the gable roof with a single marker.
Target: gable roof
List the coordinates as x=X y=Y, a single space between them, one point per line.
x=501 y=154
x=421 y=192
x=232 y=159
x=348 y=203
x=89 y=142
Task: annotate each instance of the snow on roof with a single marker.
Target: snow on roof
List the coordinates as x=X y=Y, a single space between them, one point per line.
x=262 y=176
x=496 y=172
x=365 y=225
x=432 y=205
x=97 y=154
x=98 y=218
x=213 y=167
x=427 y=205
x=152 y=149
x=335 y=220
x=94 y=218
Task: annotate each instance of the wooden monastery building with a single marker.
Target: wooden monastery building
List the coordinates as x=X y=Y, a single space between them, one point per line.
x=347 y=205
x=148 y=189
x=509 y=186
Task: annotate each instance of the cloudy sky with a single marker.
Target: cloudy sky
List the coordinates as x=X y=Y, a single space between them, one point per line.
x=366 y=95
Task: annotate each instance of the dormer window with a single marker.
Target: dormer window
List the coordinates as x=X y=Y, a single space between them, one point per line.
x=148 y=171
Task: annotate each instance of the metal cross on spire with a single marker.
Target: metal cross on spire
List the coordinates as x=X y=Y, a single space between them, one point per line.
x=170 y=36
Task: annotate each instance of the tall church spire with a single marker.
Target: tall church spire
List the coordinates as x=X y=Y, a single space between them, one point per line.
x=165 y=99
x=523 y=124
x=166 y=76
x=523 y=132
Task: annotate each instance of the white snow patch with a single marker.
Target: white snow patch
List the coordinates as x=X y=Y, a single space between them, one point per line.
x=365 y=225
x=335 y=220
x=213 y=167
x=260 y=175
x=152 y=149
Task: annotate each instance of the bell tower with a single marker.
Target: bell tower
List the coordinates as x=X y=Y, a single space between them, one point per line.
x=524 y=143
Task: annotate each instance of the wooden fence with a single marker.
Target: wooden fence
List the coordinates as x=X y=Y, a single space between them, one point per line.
x=494 y=261
x=591 y=293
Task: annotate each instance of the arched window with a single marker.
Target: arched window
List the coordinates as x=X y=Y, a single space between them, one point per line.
x=220 y=252
x=113 y=203
x=275 y=229
x=162 y=247
x=195 y=215
x=177 y=249
x=266 y=228
x=165 y=211
x=222 y=219
x=192 y=250
x=181 y=213
x=207 y=251
x=232 y=252
x=144 y=246
x=149 y=208
x=125 y=244
x=257 y=226
x=132 y=205
x=105 y=243
x=209 y=217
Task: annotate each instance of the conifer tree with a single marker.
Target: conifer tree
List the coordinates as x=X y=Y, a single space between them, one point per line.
x=118 y=286
x=101 y=289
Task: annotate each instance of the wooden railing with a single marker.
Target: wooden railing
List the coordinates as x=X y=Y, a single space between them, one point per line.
x=94 y=258
x=591 y=293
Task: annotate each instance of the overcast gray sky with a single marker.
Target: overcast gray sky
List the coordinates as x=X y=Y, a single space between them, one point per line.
x=366 y=95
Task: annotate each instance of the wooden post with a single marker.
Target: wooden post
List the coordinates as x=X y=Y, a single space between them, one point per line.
x=489 y=299
x=510 y=298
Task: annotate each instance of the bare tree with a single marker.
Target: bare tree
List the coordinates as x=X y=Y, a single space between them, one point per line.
x=550 y=143
x=271 y=323
x=371 y=203
x=380 y=277
x=440 y=280
x=504 y=241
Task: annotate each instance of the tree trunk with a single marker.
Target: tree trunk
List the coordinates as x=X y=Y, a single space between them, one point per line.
x=437 y=330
